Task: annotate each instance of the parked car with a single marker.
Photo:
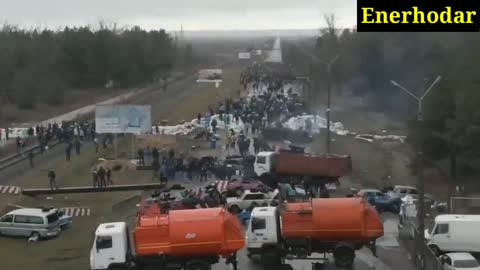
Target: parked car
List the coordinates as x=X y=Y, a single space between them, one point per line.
x=238 y=186
x=289 y=193
x=459 y=261
x=385 y=202
x=63 y=220
x=366 y=193
x=32 y=222
x=405 y=190
x=247 y=199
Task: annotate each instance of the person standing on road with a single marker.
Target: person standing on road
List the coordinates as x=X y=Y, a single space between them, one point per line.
x=7 y=133
x=78 y=144
x=101 y=176
x=199 y=118
x=95 y=179
x=156 y=168
x=31 y=155
x=51 y=178
x=203 y=173
x=155 y=155
x=164 y=172
x=157 y=129
x=256 y=145
x=68 y=151
x=95 y=141
x=108 y=173
x=141 y=156
x=214 y=126
x=19 y=144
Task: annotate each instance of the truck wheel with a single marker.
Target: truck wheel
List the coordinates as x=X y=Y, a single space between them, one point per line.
x=270 y=257
x=344 y=257
x=234 y=209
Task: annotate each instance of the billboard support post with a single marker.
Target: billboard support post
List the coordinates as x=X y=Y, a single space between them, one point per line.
x=115 y=145
x=132 y=155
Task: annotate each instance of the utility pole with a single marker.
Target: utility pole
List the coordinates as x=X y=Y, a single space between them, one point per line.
x=327 y=113
x=329 y=65
x=421 y=180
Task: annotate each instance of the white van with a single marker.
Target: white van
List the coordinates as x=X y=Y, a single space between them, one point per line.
x=454 y=233
x=31 y=222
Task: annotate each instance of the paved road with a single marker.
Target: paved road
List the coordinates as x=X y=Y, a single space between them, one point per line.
x=275 y=55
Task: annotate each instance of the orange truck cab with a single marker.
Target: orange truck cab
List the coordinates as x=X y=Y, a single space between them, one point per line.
x=182 y=239
x=295 y=231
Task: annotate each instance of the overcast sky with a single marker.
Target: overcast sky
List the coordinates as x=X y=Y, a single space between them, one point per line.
x=170 y=14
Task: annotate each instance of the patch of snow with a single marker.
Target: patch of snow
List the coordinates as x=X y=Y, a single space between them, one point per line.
x=318 y=122
x=205 y=122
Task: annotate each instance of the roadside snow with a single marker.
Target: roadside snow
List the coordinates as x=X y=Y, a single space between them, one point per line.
x=188 y=127
x=318 y=122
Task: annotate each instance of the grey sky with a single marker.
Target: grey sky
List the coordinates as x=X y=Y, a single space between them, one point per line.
x=170 y=14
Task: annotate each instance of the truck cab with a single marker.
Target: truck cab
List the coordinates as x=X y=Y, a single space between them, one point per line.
x=263 y=163
x=263 y=230
x=111 y=246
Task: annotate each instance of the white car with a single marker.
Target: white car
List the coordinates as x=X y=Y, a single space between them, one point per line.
x=459 y=261
x=404 y=190
x=247 y=199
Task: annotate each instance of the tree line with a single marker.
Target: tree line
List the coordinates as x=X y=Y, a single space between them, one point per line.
x=369 y=61
x=40 y=65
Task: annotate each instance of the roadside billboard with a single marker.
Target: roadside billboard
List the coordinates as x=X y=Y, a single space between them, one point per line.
x=123 y=119
x=210 y=75
x=243 y=55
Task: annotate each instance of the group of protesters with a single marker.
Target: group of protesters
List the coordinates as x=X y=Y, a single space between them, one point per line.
x=102 y=177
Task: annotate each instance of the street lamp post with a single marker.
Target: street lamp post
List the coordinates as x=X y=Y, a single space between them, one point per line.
x=421 y=182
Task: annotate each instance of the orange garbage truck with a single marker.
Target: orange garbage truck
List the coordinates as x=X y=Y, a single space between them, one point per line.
x=297 y=230
x=193 y=239
x=316 y=170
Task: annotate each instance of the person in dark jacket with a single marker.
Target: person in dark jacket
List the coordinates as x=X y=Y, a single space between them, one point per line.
x=214 y=126
x=141 y=157
x=31 y=155
x=155 y=155
x=95 y=179
x=51 y=178
x=164 y=172
x=78 y=144
x=108 y=174
x=101 y=176
x=68 y=151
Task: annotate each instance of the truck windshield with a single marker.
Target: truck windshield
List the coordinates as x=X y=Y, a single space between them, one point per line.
x=104 y=242
x=261 y=160
x=258 y=224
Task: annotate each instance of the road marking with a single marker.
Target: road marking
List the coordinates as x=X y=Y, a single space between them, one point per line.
x=222 y=185
x=14 y=190
x=76 y=211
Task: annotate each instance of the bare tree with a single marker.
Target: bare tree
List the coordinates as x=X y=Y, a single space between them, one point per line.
x=331 y=22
